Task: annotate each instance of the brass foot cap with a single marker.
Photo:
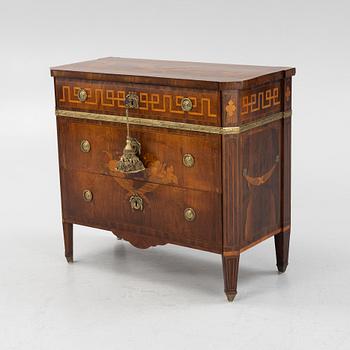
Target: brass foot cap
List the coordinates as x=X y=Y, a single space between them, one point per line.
x=230 y=296
x=282 y=268
x=69 y=259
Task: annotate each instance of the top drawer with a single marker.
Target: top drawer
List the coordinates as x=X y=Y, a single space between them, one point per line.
x=155 y=102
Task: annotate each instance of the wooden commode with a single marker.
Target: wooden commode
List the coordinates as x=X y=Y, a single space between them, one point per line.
x=193 y=154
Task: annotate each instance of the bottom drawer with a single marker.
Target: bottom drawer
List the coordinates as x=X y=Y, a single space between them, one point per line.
x=171 y=214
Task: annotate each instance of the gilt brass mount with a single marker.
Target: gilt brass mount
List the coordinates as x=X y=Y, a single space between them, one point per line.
x=186 y=104
x=136 y=146
x=130 y=162
x=82 y=95
x=131 y=101
x=136 y=202
x=188 y=160
x=85 y=146
x=189 y=214
x=87 y=195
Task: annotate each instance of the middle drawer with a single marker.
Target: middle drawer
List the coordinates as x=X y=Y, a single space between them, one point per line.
x=178 y=158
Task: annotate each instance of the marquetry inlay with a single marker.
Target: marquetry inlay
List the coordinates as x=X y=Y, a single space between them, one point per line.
x=230 y=108
x=260 y=100
x=288 y=93
x=148 y=101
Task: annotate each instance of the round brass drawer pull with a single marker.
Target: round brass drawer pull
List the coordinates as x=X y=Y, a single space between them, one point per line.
x=82 y=95
x=188 y=160
x=136 y=202
x=186 y=104
x=85 y=146
x=87 y=195
x=189 y=214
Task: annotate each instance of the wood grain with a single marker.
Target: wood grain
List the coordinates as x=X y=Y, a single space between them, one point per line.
x=282 y=250
x=155 y=102
x=230 y=271
x=260 y=151
x=162 y=216
x=239 y=186
x=230 y=194
x=173 y=73
x=162 y=152
x=68 y=240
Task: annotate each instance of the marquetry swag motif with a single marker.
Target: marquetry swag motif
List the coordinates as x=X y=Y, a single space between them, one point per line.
x=260 y=180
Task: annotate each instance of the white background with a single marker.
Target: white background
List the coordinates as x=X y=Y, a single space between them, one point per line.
x=118 y=297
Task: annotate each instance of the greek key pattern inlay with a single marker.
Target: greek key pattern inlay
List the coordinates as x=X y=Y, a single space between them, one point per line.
x=154 y=102
x=260 y=100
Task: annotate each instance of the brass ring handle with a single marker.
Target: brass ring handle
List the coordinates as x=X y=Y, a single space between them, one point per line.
x=87 y=195
x=136 y=202
x=186 y=104
x=189 y=214
x=82 y=95
x=188 y=160
x=85 y=146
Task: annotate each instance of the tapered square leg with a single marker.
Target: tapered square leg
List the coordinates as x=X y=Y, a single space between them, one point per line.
x=282 y=250
x=68 y=241
x=230 y=269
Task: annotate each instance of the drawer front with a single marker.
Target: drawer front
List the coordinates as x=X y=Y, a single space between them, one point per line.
x=183 y=159
x=173 y=215
x=155 y=102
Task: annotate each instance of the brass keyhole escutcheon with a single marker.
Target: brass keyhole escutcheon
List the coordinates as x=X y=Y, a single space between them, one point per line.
x=186 y=104
x=82 y=95
x=189 y=214
x=136 y=202
x=85 y=146
x=131 y=101
x=188 y=160
x=87 y=195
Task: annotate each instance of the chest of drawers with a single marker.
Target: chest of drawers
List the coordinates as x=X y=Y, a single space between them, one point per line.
x=191 y=154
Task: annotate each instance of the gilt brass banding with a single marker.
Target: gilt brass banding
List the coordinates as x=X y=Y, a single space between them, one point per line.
x=227 y=130
x=189 y=214
x=188 y=160
x=82 y=95
x=287 y=114
x=85 y=146
x=87 y=195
